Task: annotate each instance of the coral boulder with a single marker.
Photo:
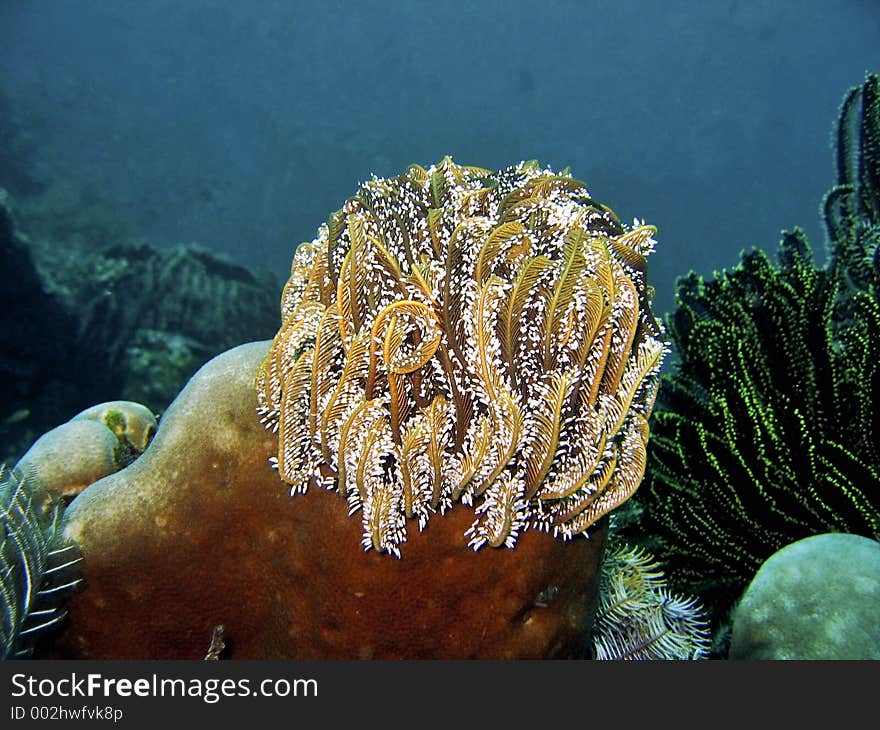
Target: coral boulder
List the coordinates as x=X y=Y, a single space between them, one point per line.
x=818 y=598
x=200 y=532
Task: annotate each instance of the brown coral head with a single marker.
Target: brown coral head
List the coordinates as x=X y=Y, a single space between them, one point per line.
x=456 y=334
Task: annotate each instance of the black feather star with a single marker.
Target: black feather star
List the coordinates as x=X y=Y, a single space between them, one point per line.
x=768 y=429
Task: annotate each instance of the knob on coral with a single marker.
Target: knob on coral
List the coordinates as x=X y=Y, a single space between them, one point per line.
x=133 y=424
x=97 y=442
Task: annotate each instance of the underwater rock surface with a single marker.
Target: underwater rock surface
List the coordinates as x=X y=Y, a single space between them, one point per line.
x=818 y=598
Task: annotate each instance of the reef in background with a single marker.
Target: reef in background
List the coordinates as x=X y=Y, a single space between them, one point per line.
x=35 y=337
x=156 y=315
x=128 y=321
x=91 y=313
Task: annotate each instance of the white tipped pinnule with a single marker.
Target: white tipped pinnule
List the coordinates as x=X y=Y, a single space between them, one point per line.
x=495 y=347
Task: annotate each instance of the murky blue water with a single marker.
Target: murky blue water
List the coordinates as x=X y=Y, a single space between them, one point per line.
x=242 y=125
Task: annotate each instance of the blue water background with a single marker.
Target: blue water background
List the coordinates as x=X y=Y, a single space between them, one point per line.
x=241 y=125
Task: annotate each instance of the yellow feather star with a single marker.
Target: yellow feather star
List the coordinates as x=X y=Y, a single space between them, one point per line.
x=460 y=335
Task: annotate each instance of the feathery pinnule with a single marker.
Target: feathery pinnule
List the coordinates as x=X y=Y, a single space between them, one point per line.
x=461 y=335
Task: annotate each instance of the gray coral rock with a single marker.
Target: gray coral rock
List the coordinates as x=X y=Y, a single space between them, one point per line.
x=817 y=598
